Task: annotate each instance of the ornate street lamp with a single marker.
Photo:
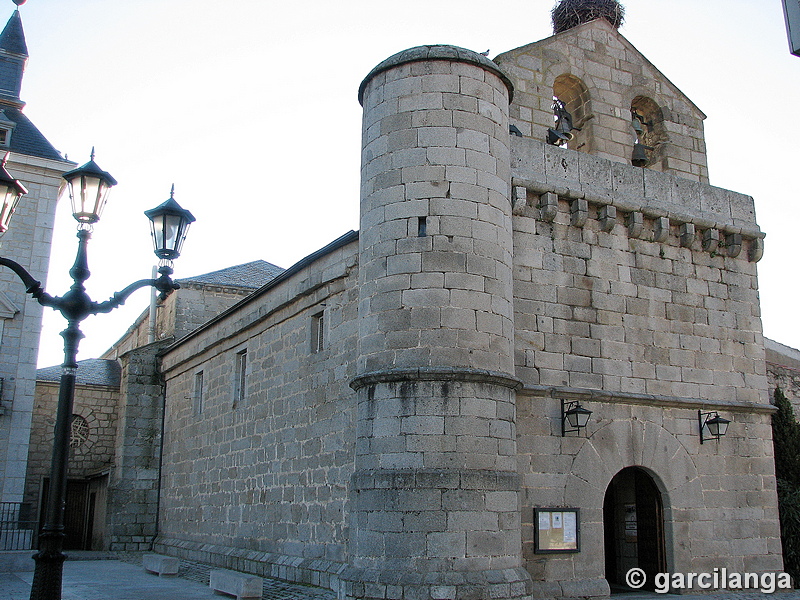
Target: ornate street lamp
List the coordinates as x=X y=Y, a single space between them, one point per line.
x=88 y=188
x=169 y=224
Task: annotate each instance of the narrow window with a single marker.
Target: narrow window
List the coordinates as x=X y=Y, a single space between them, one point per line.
x=240 y=382
x=422 y=226
x=318 y=332
x=198 y=393
x=3 y=137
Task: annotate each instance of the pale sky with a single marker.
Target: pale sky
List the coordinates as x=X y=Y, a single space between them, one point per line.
x=250 y=108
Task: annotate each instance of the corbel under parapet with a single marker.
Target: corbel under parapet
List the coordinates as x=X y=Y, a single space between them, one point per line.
x=732 y=236
x=608 y=217
x=687 y=234
x=548 y=206
x=635 y=224
x=711 y=240
x=579 y=212
x=660 y=229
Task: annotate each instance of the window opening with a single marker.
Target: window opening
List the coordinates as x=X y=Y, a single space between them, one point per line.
x=422 y=226
x=318 y=332
x=79 y=431
x=198 y=393
x=240 y=383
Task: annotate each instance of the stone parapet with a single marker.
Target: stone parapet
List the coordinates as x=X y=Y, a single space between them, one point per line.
x=542 y=168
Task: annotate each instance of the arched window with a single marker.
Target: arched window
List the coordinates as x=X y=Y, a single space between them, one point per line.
x=649 y=131
x=574 y=96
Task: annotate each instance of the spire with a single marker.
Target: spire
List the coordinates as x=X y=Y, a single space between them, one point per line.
x=12 y=39
x=13 y=56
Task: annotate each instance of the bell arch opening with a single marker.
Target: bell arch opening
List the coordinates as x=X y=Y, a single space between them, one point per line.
x=574 y=95
x=647 y=121
x=633 y=527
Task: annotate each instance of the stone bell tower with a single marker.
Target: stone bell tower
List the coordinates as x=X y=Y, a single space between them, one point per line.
x=436 y=489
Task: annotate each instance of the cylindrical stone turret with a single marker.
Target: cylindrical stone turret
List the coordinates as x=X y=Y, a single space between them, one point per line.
x=436 y=488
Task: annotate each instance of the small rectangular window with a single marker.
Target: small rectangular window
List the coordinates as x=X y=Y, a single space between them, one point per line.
x=198 y=393
x=4 y=137
x=240 y=375
x=318 y=332
x=422 y=226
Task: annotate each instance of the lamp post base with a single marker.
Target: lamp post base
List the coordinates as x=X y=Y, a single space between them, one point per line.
x=49 y=568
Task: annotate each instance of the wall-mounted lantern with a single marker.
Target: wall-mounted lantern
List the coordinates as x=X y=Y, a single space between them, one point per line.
x=573 y=417
x=712 y=426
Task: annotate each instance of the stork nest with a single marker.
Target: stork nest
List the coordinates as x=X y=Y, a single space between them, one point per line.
x=571 y=13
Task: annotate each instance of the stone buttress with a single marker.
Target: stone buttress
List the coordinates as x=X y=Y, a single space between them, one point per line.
x=435 y=493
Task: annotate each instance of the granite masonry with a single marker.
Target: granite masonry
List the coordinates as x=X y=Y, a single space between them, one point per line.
x=385 y=417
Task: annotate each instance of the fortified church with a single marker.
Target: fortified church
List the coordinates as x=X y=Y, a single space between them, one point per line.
x=391 y=416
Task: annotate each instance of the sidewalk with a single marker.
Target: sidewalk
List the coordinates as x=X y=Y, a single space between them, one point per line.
x=117 y=580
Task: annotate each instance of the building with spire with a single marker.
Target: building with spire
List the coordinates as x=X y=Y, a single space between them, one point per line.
x=38 y=165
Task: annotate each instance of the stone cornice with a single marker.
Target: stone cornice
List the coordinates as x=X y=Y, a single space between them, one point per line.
x=590 y=395
x=436 y=374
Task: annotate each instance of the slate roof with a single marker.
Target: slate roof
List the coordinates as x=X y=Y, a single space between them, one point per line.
x=251 y=275
x=94 y=371
x=12 y=39
x=26 y=138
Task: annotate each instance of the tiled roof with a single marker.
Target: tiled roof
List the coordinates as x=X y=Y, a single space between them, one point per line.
x=249 y=275
x=94 y=371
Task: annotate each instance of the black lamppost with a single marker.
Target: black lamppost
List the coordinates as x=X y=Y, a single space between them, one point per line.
x=88 y=190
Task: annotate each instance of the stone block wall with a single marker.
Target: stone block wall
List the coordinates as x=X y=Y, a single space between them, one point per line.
x=719 y=497
x=618 y=285
x=98 y=406
x=28 y=242
x=636 y=294
x=783 y=371
x=600 y=76
x=179 y=313
x=266 y=475
x=435 y=271
x=133 y=492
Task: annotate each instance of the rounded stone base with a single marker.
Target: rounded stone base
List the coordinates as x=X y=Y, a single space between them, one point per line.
x=500 y=584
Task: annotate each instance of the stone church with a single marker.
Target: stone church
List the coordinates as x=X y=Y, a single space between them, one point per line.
x=392 y=417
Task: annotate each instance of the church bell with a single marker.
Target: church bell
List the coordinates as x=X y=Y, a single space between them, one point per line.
x=639 y=157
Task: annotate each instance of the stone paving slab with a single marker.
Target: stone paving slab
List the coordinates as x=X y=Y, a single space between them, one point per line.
x=117 y=580
x=125 y=579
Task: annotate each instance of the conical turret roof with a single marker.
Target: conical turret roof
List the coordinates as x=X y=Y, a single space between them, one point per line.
x=12 y=39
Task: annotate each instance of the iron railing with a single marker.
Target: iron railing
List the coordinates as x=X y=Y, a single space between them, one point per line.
x=17 y=526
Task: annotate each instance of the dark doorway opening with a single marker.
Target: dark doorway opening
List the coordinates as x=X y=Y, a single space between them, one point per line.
x=633 y=524
x=84 y=513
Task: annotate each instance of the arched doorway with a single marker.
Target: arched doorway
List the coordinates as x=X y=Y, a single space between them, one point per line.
x=633 y=524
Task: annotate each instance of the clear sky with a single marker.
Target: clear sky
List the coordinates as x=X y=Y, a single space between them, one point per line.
x=250 y=109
